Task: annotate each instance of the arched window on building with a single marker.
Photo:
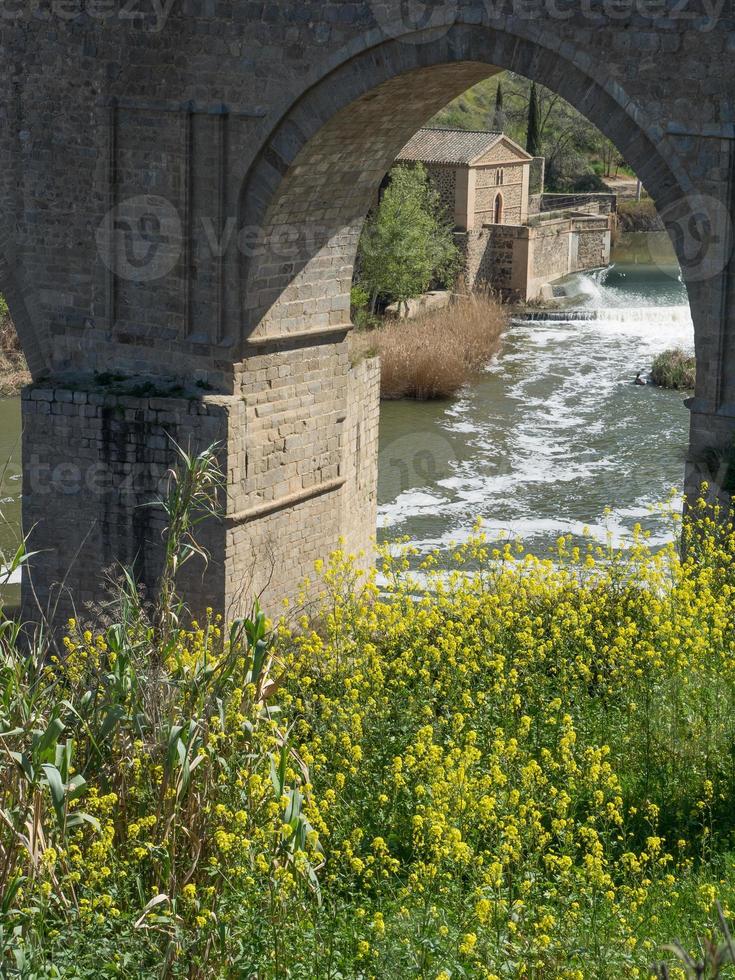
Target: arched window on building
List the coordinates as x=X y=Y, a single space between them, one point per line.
x=498 y=210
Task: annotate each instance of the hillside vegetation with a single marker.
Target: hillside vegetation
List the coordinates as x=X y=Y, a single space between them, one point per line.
x=575 y=150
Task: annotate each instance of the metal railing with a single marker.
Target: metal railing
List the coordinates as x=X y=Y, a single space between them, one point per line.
x=603 y=203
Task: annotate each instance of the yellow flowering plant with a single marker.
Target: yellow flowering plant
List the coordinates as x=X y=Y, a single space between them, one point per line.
x=504 y=766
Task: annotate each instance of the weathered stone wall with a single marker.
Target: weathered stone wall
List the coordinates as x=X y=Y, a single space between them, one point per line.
x=593 y=243
x=520 y=260
x=205 y=111
x=92 y=462
x=294 y=487
x=549 y=256
x=360 y=497
x=491 y=255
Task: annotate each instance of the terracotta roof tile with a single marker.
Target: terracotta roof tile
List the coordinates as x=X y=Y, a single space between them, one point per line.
x=448 y=145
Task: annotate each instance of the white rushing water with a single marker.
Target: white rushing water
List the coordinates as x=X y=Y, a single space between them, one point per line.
x=556 y=432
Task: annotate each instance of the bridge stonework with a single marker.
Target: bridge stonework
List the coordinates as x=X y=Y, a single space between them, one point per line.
x=182 y=189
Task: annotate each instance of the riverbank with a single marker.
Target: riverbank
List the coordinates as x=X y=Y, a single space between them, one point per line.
x=14 y=373
x=435 y=354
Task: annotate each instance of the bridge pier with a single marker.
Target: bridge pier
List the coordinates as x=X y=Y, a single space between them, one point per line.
x=711 y=456
x=95 y=458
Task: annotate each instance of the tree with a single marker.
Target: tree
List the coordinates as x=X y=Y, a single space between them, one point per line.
x=610 y=157
x=407 y=243
x=498 y=120
x=533 y=133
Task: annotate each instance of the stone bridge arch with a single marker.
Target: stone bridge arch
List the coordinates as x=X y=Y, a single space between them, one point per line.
x=317 y=173
x=255 y=333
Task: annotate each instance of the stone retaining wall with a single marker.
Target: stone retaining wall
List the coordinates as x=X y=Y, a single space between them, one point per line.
x=519 y=260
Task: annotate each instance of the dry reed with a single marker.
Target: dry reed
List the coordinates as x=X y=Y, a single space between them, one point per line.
x=14 y=373
x=436 y=354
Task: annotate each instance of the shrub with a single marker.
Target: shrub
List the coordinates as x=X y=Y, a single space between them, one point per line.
x=522 y=772
x=674 y=369
x=638 y=216
x=436 y=354
x=591 y=183
x=407 y=243
x=360 y=308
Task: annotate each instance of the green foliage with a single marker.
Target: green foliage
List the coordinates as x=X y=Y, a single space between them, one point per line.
x=191 y=498
x=407 y=244
x=521 y=772
x=497 y=124
x=716 y=956
x=674 y=369
x=131 y=762
x=533 y=131
x=360 y=307
x=571 y=144
x=359 y=298
x=590 y=184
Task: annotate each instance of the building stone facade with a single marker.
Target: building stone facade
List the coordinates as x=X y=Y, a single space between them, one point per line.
x=473 y=171
x=182 y=189
x=484 y=183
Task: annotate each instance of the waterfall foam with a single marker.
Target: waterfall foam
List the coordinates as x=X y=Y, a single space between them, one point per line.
x=622 y=314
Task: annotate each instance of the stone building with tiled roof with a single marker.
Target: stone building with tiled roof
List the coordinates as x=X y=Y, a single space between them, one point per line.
x=482 y=177
x=514 y=237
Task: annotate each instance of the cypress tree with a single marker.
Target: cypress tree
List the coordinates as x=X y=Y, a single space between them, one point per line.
x=533 y=136
x=498 y=122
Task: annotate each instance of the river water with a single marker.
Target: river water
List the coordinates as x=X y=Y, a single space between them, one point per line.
x=553 y=434
x=555 y=438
